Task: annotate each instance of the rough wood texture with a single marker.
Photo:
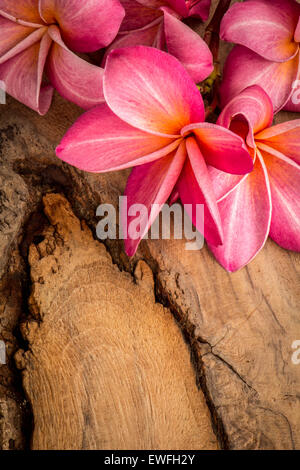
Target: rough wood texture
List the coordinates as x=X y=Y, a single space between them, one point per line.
x=240 y=326
x=107 y=367
x=14 y=411
x=243 y=325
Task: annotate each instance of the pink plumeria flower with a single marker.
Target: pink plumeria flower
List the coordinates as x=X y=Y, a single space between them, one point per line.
x=268 y=35
x=153 y=121
x=266 y=202
x=40 y=35
x=157 y=23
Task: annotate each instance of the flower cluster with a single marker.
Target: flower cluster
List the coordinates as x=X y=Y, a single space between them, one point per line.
x=145 y=110
x=267 y=35
x=39 y=37
x=158 y=128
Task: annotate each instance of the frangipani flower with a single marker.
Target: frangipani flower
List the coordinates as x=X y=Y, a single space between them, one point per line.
x=157 y=23
x=266 y=202
x=268 y=36
x=153 y=121
x=38 y=35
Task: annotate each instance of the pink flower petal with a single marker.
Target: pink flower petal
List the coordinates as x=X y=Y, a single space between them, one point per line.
x=174 y=196
x=23 y=76
x=285 y=138
x=74 y=78
x=21 y=10
x=194 y=187
x=179 y=6
x=284 y=176
x=34 y=36
x=151 y=90
x=297 y=32
x=152 y=3
x=246 y=217
x=244 y=68
x=188 y=47
x=252 y=105
x=142 y=37
x=266 y=28
x=160 y=38
x=11 y=34
x=221 y=148
x=86 y=26
x=200 y=9
x=99 y=141
x=223 y=183
x=293 y=105
x=151 y=185
x=137 y=15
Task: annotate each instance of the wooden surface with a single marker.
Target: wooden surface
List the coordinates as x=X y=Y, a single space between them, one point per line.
x=243 y=326
x=239 y=327
x=107 y=367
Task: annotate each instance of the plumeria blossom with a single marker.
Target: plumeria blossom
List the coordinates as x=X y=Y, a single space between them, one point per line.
x=266 y=202
x=153 y=121
x=38 y=36
x=267 y=54
x=157 y=23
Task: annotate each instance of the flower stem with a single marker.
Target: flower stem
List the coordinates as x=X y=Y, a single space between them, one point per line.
x=212 y=32
x=212 y=38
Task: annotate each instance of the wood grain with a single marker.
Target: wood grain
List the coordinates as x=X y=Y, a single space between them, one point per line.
x=243 y=326
x=107 y=367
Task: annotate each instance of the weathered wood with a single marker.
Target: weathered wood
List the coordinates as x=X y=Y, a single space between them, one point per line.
x=14 y=410
x=107 y=367
x=243 y=326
